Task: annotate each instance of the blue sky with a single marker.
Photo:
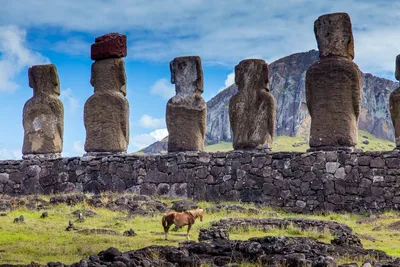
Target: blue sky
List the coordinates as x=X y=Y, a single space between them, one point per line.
x=222 y=33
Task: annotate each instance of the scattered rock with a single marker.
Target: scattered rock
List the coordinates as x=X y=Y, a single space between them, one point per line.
x=303 y=224
x=353 y=264
x=71 y=226
x=20 y=219
x=183 y=205
x=365 y=142
x=130 y=232
x=324 y=262
x=84 y=212
x=80 y=217
x=346 y=240
x=213 y=233
x=265 y=251
x=44 y=215
x=109 y=254
x=70 y=200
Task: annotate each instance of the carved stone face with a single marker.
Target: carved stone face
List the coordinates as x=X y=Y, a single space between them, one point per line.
x=109 y=75
x=187 y=75
x=44 y=79
x=334 y=35
x=252 y=74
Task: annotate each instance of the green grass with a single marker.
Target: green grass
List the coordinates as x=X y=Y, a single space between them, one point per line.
x=375 y=144
x=300 y=144
x=44 y=240
x=222 y=146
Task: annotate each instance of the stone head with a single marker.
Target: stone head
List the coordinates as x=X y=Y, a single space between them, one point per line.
x=44 y=79
x=397 y=73
x=252 y=74
x=334 y=35
x=109 y=75
x=187 y=75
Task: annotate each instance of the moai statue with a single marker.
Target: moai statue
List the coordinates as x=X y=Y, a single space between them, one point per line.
x=43 y=114
x=252 y=112
x=186 y=111
x=333 y=86
x=106 y=112
x=394 y=102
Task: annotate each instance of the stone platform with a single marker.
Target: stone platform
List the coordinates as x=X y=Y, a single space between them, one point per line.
x=300 y=182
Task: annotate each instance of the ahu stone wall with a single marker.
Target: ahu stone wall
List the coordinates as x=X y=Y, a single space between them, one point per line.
x=301 y=182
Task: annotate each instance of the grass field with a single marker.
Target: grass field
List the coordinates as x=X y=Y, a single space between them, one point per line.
x=44 y=240
x=300 y=144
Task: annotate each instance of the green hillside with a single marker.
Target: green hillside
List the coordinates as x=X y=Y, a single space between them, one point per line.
x=367 y=142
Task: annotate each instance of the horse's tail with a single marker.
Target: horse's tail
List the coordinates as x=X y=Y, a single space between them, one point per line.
x=164 y=220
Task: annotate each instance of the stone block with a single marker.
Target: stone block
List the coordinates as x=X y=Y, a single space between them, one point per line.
x=377 y=163
x=4 y=178
x=111 y=45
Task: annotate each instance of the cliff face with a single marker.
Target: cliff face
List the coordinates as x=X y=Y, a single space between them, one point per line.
x=375 y=114
x=287 y=84
x=218 y=126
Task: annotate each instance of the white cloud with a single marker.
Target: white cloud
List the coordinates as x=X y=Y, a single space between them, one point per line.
x=230 y=79
x=143 y=140
x=159 y=134
x=15 y=56
x=72 y=103
x=78 y=148
x=147 y=121
x=163 y=88
x=10 y=154
x=220 y=32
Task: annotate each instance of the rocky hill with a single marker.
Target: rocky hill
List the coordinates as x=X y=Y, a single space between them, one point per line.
x=287 y=84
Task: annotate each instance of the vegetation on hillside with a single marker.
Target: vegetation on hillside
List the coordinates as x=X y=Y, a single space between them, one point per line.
x=366 y=142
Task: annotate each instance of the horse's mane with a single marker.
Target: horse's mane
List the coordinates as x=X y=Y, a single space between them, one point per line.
x=195 y=213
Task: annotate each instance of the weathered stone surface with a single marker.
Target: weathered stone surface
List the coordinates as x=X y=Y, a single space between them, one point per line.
x=186 y=111
x=252 y=112
x=43 y=114
x=298 y=182
x=334 y=35
x=106 y=112
x=111 y=45
x=213 y=233
x=394 y=104
x=333 y=86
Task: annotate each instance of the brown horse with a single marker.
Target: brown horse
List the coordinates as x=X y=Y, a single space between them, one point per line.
x=181 y=219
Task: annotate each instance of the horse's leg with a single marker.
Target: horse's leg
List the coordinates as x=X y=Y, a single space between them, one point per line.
x=166 y=229
x=187 y=236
